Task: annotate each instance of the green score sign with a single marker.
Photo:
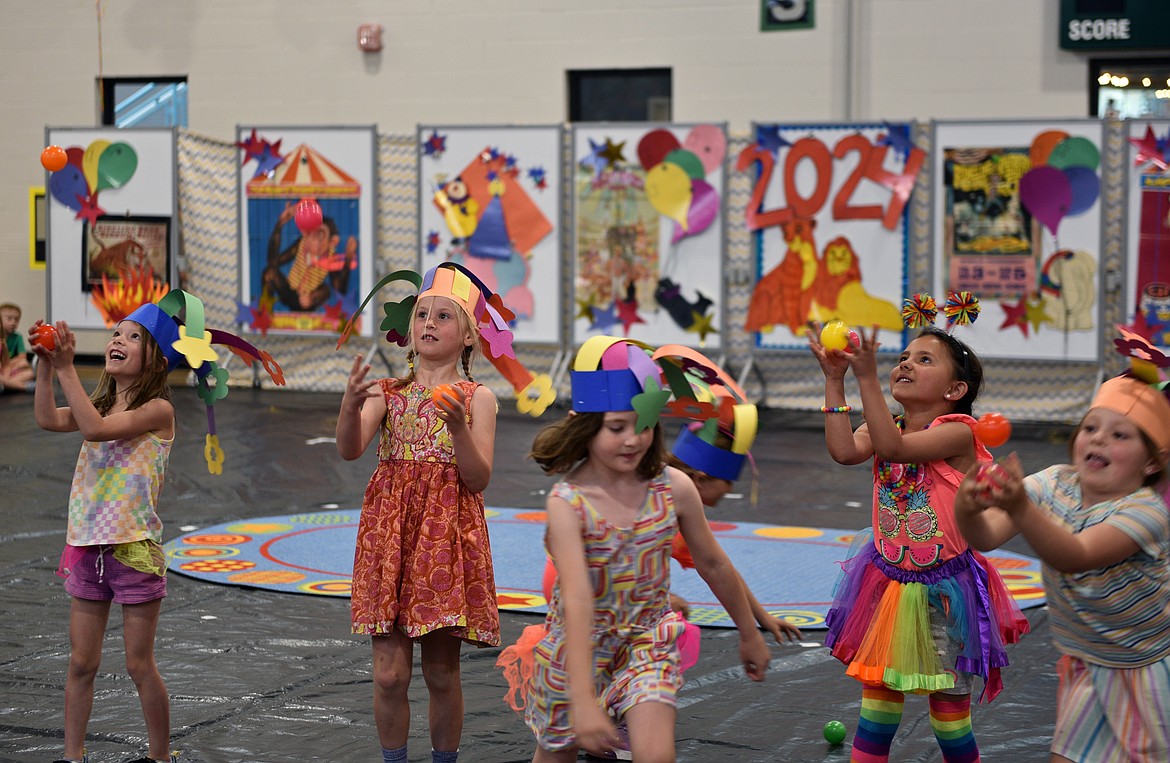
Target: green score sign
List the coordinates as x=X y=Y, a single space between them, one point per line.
x=1113 y=24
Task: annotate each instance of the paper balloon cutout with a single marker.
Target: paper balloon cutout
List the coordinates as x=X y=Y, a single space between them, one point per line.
x=1043 y=144
x=1074 y=152
x=688 y=161
x=115 y=166
x=89 y=162
x=668 y=189
x=68 y=186
x=1085 y=186
x=709 y=144
x=1047 y=195
x=703 y=210
x=654 y=146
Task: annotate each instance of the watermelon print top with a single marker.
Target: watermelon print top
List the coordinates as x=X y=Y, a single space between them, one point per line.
x=913 y=508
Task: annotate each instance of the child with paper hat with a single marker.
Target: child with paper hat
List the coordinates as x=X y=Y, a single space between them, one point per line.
x=713 y=454
x=489 y=316
x=1102 y=530
x=422 y=568
x=113 y=546
x=608 y=652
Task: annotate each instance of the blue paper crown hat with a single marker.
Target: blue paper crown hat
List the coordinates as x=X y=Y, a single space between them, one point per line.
x=177 y=324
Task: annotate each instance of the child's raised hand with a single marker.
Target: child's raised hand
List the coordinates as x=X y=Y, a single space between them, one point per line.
x=357 y=389
x=864 y=355
x=834 y=363
x=64 y=345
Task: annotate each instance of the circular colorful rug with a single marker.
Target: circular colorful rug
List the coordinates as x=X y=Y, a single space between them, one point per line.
x=791 y=570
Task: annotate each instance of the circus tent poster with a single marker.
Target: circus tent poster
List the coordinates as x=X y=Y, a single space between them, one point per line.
x=295 y=279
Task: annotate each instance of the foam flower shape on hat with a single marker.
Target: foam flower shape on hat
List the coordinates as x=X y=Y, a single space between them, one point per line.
x=649 y=404
x=690 y=408
x=213 y=454
x=499 y=341
x=497 y=302
x=209 y=393
x=272 y=367
x=536 y=396
x=398 y=316
x=1137 y=348
x=197 y=349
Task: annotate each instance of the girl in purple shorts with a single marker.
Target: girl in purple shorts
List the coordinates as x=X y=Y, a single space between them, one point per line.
x=113 y=549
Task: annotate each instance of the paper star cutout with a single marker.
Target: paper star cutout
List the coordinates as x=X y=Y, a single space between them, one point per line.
x=89 y=209
x=261 y=321
x=197 y=349
x=1015 y=315
x=433 y=241
x=243 y=313
x=538 y=177
x=896 y=137
x=268 y=160
x=252 y=145
x=701 y=325
x=627 y=312
x=333 y=313
x=1037 y=314
x=595 y=160
x=649 y=404
x=603 y=317
x=584 y=309
x=435 y=145
x=613 y=152
x=768 y=137
x=1148 y=150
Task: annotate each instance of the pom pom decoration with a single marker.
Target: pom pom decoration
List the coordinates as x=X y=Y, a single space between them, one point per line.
x=919 y=310
x=961 y=308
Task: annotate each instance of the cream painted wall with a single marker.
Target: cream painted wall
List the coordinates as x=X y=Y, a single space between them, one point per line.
x=296 y=62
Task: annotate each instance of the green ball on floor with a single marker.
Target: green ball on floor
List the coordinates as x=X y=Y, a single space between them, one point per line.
x=834 y=732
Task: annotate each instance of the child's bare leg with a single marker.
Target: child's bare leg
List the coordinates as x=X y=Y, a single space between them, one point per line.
x=140 y=622
x=87 y=626
x=393 y=661
x=651 y=727
x=559 y=756
x=440 y=669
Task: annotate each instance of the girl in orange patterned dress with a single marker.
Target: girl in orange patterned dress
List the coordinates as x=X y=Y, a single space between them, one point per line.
x=610 y=654
x=422 y=568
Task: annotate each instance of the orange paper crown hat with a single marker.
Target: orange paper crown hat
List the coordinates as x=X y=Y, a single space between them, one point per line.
x=1143 y=404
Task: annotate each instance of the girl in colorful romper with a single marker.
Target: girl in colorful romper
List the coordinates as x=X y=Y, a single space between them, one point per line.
x=422 y=568
x=916 y=610
x=608 y=652
x=1103 y=533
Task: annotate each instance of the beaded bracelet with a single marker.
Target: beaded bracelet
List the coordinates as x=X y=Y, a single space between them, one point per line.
x=836 y=409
